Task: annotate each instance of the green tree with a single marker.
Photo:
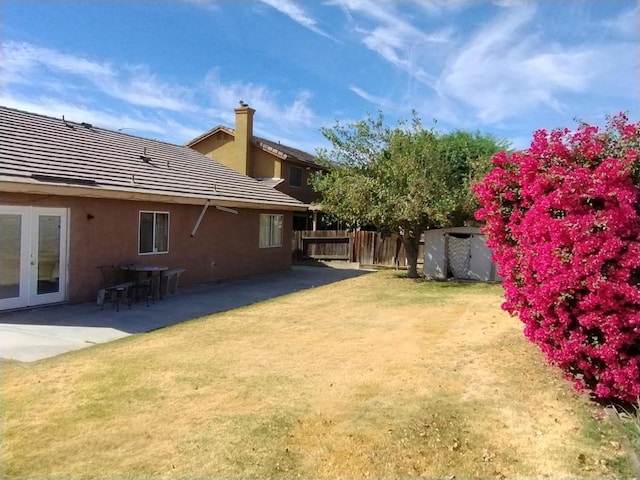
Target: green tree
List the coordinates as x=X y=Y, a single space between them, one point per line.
x=401 y=179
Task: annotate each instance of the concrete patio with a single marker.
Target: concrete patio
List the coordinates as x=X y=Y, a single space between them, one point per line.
x=30 y=335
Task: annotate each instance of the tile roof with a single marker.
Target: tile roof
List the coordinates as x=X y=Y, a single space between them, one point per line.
x=36 y=149
x=271 y=182
x=289 y=152
x=276 y=148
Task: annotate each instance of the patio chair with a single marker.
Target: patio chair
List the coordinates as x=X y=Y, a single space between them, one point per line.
x=113 y=291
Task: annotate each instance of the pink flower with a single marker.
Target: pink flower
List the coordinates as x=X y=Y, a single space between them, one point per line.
x=563 y=220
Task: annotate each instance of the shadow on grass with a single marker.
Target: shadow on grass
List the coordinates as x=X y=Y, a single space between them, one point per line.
x=449 y=283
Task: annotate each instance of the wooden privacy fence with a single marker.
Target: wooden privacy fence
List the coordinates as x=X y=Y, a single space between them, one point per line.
x=365 y=248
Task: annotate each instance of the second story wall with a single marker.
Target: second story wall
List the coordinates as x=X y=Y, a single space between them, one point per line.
x=258 y=157
x=264 y=164
x=296 y=182
x=221 y=148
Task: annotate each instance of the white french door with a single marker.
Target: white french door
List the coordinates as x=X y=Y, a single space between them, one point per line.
x=33 y=256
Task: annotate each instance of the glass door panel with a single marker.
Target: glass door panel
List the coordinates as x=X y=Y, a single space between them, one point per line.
x=48 y=256
x=14 y=256
x=10 y=254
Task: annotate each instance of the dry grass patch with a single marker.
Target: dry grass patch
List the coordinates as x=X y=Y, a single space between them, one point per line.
x=375 y=376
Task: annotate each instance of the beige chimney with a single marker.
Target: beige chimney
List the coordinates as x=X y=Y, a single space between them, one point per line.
x=244 y=134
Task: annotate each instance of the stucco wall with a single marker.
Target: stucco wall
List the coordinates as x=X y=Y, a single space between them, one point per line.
x=262 y=165
x=220 y=147
x=305 y=193
x=225 y=245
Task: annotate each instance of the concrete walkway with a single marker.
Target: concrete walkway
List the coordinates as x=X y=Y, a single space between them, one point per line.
x=30 y=335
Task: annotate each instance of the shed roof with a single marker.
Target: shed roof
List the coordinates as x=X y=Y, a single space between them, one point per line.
x=41 y=153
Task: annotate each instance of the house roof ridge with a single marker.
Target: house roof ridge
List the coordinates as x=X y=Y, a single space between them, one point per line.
x=90 y=126
x=287 y=151
x=208 y=133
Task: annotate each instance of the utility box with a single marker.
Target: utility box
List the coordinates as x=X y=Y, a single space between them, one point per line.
x=458 y=252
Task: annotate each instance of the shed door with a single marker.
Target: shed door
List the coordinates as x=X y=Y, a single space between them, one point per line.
x=459 y=248
x=435 y=264
x=479 y=259
x=469 y=257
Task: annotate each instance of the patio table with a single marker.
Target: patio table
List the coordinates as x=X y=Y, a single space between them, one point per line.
x=139 y=268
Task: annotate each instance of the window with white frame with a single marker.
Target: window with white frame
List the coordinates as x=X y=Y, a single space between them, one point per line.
x=271 y=230
x=295 y=177
x=153 y=232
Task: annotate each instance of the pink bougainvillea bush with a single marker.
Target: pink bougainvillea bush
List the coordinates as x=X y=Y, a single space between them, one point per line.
x=563 y=220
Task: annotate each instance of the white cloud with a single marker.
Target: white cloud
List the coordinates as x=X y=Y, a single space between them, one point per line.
x=21 y=62
x=26 y=64
x=138 y=86
x=288 y=115
x=396 y=40
x=507 y=64
x=54 y=107
x=296 y=13
x=627 y=23
x=21 y=55
x=299 y=112
x=381 y=102
x=507 y=3
x=503 y=70
x=56 y=83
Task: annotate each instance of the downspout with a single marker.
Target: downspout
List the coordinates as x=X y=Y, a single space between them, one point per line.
x=204 y=209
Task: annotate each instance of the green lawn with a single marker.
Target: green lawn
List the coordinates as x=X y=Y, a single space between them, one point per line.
x=376 y=376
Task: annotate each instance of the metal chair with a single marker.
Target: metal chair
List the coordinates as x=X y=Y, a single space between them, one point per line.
x=113 y=291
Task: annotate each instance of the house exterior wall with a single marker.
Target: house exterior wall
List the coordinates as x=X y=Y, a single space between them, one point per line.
x=264 y=165
x=224 y=246
x=305 y=193
x=221 y=147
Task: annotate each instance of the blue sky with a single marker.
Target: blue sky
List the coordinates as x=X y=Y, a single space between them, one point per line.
x=171 y=70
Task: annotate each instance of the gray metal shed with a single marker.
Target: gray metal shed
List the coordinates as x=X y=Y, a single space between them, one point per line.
x=458 y=252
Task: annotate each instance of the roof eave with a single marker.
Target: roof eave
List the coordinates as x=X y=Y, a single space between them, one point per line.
x=285 y=156
x=29 y=186
x=208 y=133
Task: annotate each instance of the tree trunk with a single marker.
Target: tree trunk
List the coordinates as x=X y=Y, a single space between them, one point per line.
x=411 y=242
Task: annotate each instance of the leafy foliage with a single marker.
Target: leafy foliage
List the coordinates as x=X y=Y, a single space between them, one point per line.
x=402 y=179
x=563 y=219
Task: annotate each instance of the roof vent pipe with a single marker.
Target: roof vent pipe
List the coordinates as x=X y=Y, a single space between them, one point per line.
x=144 y=157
